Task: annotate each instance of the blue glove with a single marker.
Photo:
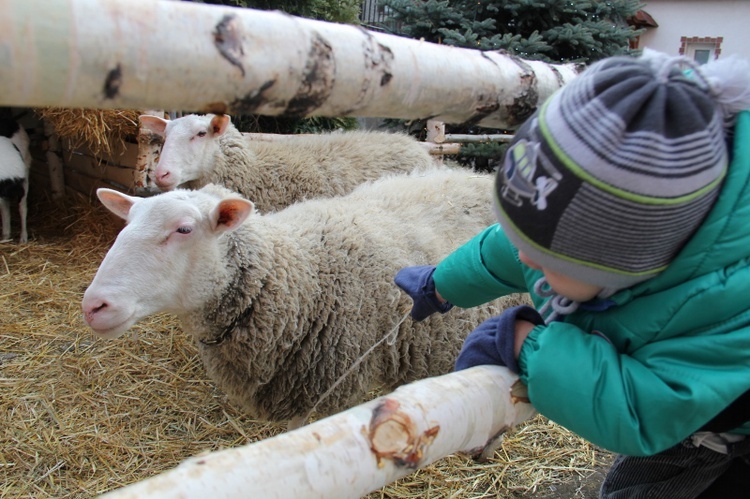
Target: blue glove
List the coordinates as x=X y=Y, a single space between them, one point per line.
x=417 y=282
x=493 y=341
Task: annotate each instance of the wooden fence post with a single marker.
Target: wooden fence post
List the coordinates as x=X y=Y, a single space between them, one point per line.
x=53 y=154
x=149 y=148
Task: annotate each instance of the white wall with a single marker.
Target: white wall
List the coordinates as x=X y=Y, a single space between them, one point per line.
x=729 y=19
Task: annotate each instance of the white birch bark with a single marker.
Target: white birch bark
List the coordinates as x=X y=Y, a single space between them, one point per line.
x=442 y=148
x=463 y=138
x=435 y=131
x=149 y=148
x=137 y=54
x=436 y=134
x=359 y=450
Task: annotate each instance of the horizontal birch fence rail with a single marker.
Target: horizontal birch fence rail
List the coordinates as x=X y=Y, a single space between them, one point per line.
x=154 y=54
x=358 y=450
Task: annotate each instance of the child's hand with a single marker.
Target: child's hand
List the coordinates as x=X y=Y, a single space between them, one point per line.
x=417 y=282
x=498 y=340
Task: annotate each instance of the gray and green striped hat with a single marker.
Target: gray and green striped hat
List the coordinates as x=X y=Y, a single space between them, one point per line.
x=615 y=172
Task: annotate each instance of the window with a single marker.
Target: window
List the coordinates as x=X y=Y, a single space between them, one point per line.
x=702 y=56
x=701 y=48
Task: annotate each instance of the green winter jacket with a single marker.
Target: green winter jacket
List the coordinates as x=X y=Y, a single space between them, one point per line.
x=669 y=354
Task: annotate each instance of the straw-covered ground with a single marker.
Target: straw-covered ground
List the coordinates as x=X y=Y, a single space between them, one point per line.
x=80 y=416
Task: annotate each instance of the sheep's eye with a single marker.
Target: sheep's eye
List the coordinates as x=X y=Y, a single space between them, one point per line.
x=201 y=134
x=184 y=230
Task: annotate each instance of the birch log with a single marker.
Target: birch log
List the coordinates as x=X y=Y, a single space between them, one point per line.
x=468 y=139
x=359 y=450
x=442 y=149
x=149 y=148
x=137 y=54
x=436 y=135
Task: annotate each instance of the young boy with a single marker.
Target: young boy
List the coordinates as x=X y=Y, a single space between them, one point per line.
x=624 y=209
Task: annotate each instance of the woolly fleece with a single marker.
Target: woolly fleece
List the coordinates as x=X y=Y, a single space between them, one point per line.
x=275 y=175
x=319 y=277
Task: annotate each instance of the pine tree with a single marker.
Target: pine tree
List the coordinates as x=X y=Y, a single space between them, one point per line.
x=555 y=31
x=549 y=30
x=337 y=11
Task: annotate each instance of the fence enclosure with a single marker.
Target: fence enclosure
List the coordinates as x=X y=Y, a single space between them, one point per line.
x=145 y=54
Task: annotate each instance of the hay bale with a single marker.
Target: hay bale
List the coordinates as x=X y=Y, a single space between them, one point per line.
x=102 y=131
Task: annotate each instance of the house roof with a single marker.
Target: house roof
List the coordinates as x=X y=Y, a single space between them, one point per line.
x=642 y=19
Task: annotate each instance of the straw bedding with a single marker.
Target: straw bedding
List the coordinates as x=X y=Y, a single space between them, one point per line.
x=80 y=416
x=102 y=131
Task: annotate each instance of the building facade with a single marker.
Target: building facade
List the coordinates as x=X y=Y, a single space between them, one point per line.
x=700 y=29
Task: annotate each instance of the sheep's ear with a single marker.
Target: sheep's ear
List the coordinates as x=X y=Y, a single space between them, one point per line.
x=230 y=213
x=153 y=123
x=115 y=201
x=219 y=124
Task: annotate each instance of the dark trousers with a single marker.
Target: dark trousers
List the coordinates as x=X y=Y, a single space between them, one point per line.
x=682 y=472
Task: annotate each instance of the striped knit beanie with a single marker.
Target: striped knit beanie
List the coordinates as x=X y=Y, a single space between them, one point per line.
x=616 y=171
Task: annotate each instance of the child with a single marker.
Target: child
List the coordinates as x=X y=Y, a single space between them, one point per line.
x=624 y=209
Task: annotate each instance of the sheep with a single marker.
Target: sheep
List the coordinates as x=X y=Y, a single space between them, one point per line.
x=15 y=162
x=202 y=149
x=283 y=305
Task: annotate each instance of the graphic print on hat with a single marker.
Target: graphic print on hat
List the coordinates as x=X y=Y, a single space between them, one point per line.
x=614 y=173
x=519 y=177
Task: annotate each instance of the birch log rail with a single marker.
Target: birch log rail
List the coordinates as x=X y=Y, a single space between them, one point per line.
x=136 y=54
x=359 y=450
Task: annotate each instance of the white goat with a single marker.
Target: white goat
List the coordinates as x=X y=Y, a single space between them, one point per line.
x=284 y=305
x=15 y=162
x=203 y=149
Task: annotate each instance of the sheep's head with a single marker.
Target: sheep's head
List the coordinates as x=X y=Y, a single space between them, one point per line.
x=166 y=259
x=190 y=144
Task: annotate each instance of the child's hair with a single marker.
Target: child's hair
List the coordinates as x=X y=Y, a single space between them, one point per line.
x=616 y=171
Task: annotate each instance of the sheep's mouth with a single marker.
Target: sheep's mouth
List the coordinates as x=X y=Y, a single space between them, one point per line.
x=165 y=186
x=112 y=332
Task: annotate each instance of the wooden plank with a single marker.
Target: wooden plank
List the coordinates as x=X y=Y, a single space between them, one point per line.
x=87 y=185
x=95 y=168
x=125 y=157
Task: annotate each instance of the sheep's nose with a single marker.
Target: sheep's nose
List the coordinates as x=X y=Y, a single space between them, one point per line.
x=91 y=309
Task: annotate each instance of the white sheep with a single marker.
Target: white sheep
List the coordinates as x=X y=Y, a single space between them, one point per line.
x=203 y=149
x=15 y=162
x=283 y=305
